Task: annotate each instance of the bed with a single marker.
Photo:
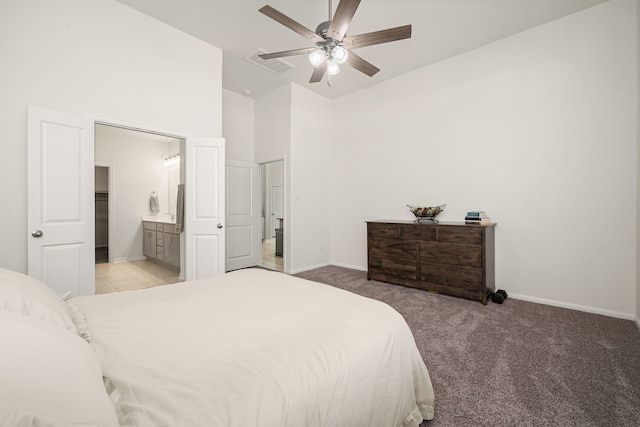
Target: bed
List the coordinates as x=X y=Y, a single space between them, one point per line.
x=247 y=348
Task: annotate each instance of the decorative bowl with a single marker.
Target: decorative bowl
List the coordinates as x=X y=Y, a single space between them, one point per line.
x=426 y=212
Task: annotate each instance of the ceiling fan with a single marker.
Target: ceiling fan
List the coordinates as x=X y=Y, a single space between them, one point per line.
x=332 y=46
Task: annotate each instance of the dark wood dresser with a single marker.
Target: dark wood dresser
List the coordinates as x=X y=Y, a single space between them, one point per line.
x=452 y=258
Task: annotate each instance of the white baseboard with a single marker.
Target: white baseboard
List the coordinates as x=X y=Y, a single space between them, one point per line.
x=352 y=267
x=578 y=307
x=312 y=267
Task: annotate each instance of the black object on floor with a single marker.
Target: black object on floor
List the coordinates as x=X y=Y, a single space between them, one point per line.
x=497 y=298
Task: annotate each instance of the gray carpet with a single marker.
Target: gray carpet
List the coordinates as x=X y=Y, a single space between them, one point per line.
x=514 y=364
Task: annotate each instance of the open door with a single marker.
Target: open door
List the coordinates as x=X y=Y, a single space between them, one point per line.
x=243 y=214
x=60 y=200
x=204 y=208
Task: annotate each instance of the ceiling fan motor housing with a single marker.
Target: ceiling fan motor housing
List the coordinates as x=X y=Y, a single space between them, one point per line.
x=329 y=43
x=323 y=29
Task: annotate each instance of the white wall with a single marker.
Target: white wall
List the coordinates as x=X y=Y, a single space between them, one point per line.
x=272 y=141
x=272 y=125
x=137 y=169
x=237 y=126
x=96 y=57
x=310 y=170
x=538 y=129
x=293 y=123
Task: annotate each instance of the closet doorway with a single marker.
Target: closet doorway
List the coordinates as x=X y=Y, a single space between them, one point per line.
x=101 y=214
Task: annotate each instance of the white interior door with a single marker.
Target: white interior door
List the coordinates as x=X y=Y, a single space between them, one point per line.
x=60 y=213
x=204 y=207
x=243 y=214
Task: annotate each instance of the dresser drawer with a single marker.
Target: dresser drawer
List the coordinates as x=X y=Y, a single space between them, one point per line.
x=418 y=232
x=451 y=254
x=467 y=235
x=402 y=269
x=456 y=277
x=383 y=230
x=392 y=248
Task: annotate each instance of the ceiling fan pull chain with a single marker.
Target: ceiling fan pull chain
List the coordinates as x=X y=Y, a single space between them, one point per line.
x=330 y=10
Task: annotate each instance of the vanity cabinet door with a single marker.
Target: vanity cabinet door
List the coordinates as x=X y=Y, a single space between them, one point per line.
x=172 y=249
x=149 y=244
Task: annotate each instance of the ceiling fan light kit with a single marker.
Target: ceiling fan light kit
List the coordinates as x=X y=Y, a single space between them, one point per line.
x=340 y=54
x=333 y=48
x=334 y=57
x=332 y=67
x=317 y=57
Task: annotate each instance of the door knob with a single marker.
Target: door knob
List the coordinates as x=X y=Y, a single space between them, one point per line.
x=37 y=233
x=219 y=225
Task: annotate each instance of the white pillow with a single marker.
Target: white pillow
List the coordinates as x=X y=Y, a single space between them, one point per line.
x=23 y=294
x=50 y=377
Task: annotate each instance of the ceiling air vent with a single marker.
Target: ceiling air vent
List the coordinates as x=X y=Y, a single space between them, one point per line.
x=277 y=66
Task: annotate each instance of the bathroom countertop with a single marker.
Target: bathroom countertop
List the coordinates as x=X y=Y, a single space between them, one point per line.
x=161 y=219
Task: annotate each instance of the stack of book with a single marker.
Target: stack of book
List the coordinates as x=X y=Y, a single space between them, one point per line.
x=477 y=217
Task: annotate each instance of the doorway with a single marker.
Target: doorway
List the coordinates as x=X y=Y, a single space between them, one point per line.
x=133 y=167
x=101 y=214
x=273 y=219
x=61 y=247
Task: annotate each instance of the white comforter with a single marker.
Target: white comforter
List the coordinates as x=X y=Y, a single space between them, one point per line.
x=257 y=348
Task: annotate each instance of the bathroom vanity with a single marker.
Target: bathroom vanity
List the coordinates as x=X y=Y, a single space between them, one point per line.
x=161 y=243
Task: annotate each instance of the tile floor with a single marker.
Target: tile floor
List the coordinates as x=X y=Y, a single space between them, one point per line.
x=269 y=258
x=140 y=274
x=127 y=276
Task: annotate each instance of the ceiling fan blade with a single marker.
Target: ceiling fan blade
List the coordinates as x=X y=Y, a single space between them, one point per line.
x=378 y=37
x=287 y=53
x=290 y=23
x=318 y=72
x=361 y=65
x=342 y=18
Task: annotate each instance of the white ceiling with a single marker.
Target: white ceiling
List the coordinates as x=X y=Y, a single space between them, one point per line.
x=441 y=29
